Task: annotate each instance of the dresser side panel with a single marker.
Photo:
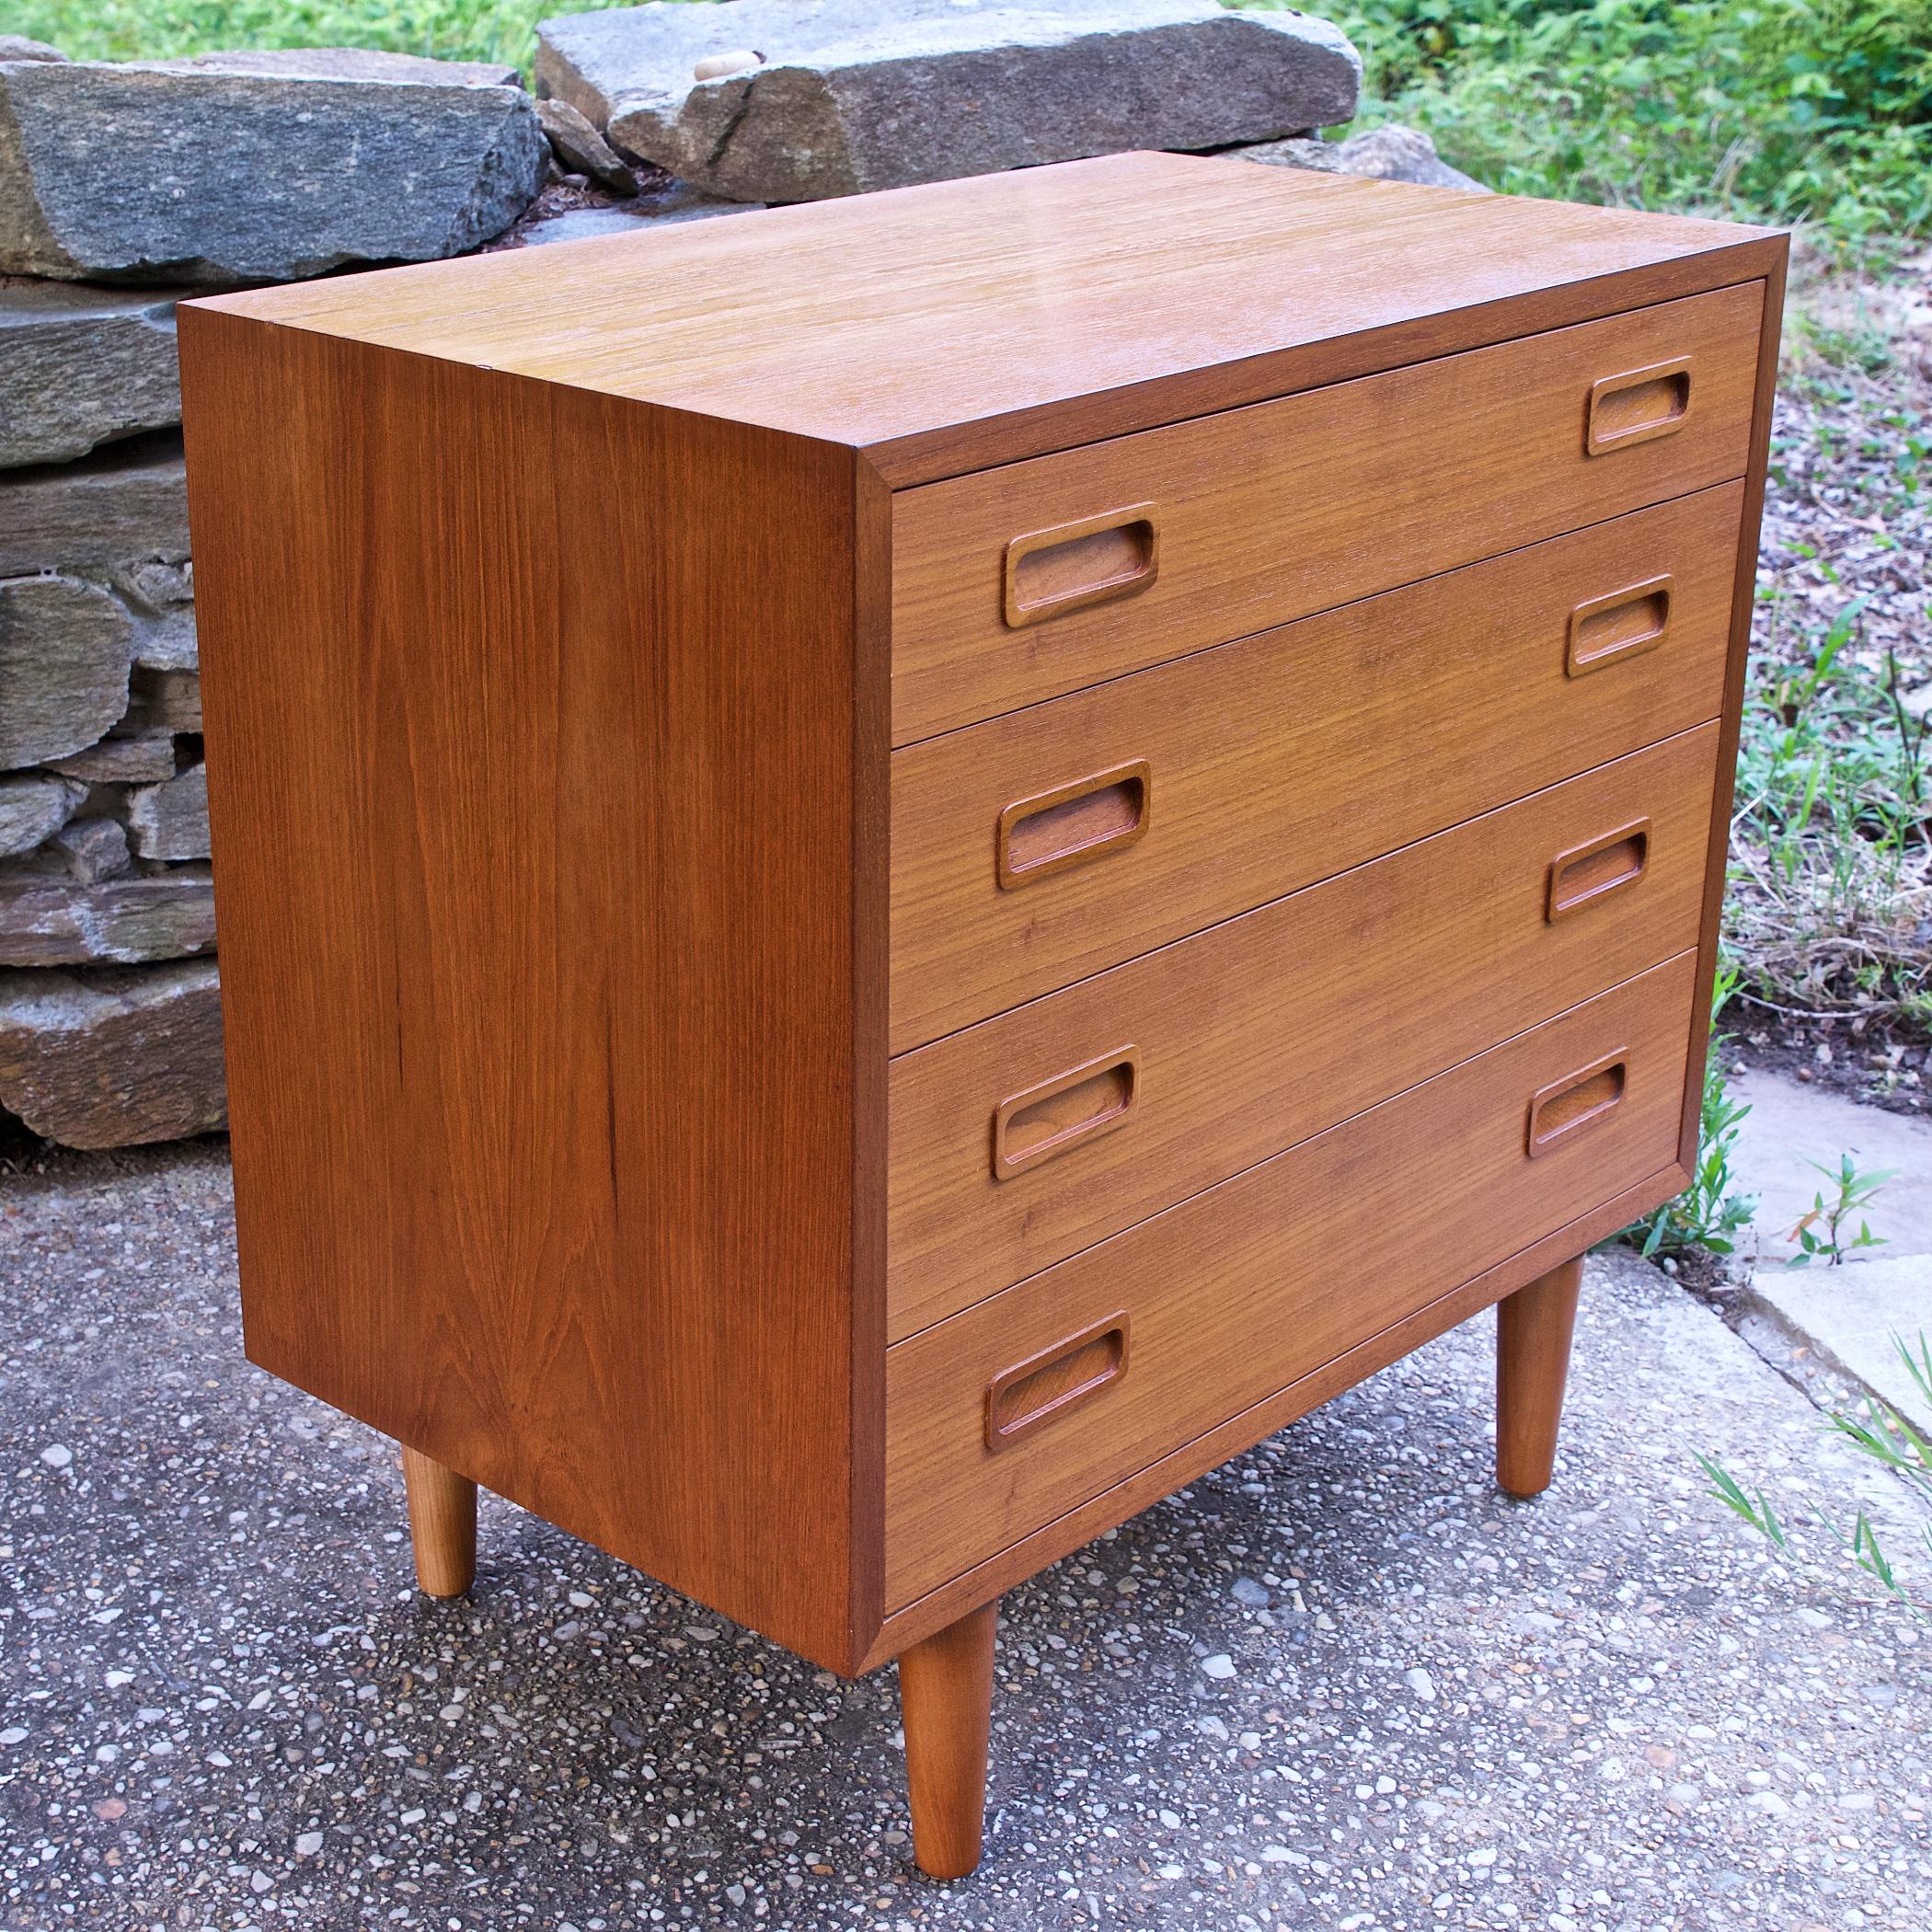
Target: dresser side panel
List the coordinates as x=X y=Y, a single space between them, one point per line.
x=532 y=758
x=1743 y=604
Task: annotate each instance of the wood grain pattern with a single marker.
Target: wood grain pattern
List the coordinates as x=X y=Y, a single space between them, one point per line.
x=950 y=327
x=945 y=1698
x=1268 y=1028
x=1742 y=601
x=1065 y=1533
x=1231 y=1299
x=443 y=1524
x=1270 y=514
x=1289 y=756
x=1533 y=1333
x=549 y=1041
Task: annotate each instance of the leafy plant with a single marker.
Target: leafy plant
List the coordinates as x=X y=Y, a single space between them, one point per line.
x=1885 y=1436
x=1818 y=111
x=1852 y=1190
x=1710 y=1211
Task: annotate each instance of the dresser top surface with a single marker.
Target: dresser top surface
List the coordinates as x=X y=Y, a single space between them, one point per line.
x=944 y=327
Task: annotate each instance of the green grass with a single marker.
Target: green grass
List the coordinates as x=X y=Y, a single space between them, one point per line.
x=155 y=30
x=1783 y=111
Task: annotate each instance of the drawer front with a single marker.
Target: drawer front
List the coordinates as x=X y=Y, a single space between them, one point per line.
x=1003 y=1418
x=1014 y=584
x=1237 y=775
x=1034 y=1135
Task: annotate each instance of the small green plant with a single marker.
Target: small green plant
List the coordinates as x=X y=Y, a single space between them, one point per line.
x=1710 y=1213
x=1886 y=1437
x=1821 y=1229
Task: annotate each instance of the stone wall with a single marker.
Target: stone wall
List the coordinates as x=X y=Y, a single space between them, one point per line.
x=124 y=186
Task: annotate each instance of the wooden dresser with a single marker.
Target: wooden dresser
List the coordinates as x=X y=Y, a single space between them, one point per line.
x=848 y=840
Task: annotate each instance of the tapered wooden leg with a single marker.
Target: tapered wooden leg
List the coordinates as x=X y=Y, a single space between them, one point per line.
x=1533 y=1331
x=442 y=1526
x=945 y=1696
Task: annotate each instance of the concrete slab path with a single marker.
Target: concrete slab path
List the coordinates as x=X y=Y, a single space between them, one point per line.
x=1792 y=1124
x=1342 y=1684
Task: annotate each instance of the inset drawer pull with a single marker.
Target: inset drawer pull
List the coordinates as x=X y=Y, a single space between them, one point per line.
x=1052 y=571
x=1637 y=406
x=1081 y=1105
x=1558 y=1112
x=1073 y=824
x=1625 y=624
x=1586 y=873
x=1052 y=1381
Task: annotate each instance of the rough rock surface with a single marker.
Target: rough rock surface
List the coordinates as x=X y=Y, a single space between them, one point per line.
x=17 y=47
x=165 y=916
x=115 y=1056
x=257 y=167
x=116 y=510
x=850 y=97
x=1385 y=154
x=163 y=701
x=580 y=147
x=634 y=218
x=82 y=366
x=65 y=652
x=139 y=759
x=87 y=849
x=34 y=806
x=170 y=820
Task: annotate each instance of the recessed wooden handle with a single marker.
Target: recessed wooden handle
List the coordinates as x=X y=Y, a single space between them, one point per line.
x=1078 y=1106
x=1050 y=572
x=1560 y=1111
x=1624 y=625
x=1055 y=1380
x=1585 y=874
x=1103 y=813
x=1637 y=406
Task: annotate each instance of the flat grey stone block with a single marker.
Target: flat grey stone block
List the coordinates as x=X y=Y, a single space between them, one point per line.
x=841 y=96
x=257 y=167
x=82 y=366
x=120 y=508
x=162 y=915
x=65 y=648
x=115 y=1056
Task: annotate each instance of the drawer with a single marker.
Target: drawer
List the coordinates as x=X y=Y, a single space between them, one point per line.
x=1239 y=773
x=1005 y=1417
x=1024 y=1139
x=1016 y=583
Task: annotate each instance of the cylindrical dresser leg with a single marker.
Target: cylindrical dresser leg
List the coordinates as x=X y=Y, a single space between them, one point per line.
x=1533 y=1331
x=946 y=1695
x=443 y=1524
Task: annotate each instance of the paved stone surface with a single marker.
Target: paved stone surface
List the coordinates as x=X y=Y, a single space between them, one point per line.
x=1792 y=1124
x=790 y=100
x=1849 y=1317
x=1341 y=1683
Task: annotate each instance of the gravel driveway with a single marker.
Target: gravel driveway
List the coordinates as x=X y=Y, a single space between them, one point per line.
x=1342 y=1683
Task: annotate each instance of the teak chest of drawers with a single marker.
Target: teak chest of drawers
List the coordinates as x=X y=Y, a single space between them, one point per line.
x=834 y=831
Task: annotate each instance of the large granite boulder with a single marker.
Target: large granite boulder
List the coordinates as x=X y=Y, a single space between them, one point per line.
x=793 y=100
x=114 y=1056
x=82 y=366
x=257 y=167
